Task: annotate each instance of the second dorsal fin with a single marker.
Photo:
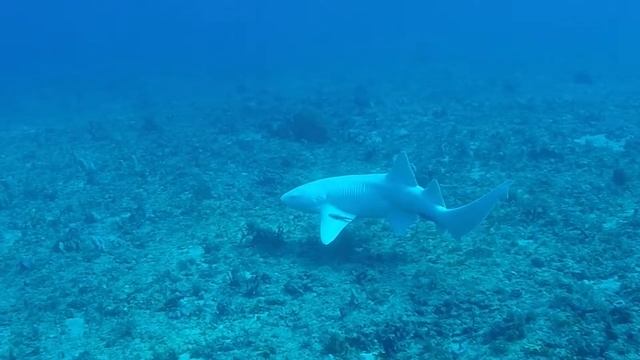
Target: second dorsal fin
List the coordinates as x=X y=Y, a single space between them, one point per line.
x=433 y=194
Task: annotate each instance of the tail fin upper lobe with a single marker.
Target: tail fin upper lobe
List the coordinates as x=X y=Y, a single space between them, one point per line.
x=461 y=220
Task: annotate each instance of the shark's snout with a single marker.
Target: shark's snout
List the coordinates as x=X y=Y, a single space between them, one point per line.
x=290 y=198
x=299 y=198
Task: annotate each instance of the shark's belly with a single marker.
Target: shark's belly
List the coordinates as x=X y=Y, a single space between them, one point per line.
x=373 y=208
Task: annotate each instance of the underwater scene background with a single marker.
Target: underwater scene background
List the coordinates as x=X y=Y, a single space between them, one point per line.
x=144 y=147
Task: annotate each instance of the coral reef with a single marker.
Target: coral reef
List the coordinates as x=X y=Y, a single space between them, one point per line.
x=166 y=239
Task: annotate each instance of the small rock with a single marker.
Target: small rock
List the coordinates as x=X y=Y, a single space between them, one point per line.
x=75 y=327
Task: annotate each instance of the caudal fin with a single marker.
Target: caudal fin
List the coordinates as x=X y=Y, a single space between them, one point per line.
x=459 y=221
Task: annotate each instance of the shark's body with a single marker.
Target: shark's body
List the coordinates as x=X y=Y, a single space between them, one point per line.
x=395 y=196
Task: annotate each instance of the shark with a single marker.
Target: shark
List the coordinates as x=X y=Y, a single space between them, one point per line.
x=395 y=196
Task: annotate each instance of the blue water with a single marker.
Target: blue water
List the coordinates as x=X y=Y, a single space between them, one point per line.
x=144 y=147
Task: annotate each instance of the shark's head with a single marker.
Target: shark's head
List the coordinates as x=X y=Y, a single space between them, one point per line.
x=304 y=198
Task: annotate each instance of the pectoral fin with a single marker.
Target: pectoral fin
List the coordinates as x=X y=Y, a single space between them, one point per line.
x=332 y=222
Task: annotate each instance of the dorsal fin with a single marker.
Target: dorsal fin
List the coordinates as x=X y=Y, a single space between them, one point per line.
x=402 y=171
x=433 y=194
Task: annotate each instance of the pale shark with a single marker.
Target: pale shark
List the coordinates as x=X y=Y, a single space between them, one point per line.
x=395 y=196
